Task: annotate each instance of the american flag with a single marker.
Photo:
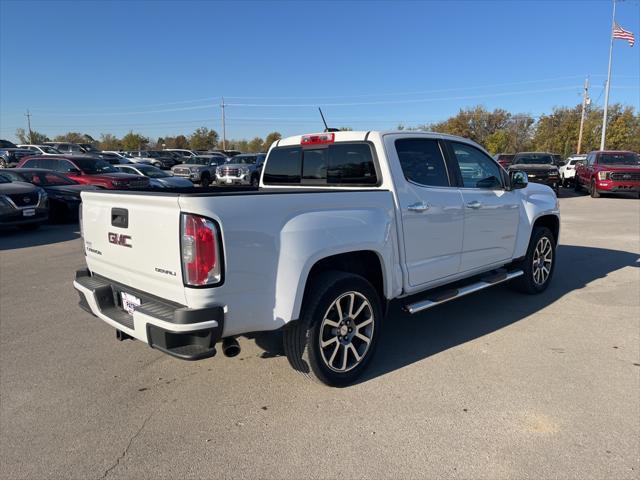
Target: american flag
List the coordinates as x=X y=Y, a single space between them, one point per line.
x=622 y=34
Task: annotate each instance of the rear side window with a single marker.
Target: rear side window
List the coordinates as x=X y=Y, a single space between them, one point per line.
x=337 y=164
x=284 y=166
x=422 y=161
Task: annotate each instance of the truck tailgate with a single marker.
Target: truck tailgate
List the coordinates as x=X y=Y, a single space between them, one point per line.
x=135 y=239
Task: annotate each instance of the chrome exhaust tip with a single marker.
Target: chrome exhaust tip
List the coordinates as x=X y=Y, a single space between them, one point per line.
x=230 y=347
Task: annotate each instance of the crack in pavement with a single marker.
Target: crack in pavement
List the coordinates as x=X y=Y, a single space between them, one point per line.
x=126 y=450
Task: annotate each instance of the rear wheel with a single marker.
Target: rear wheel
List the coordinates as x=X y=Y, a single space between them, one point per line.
x=539 y=263
x=594 y=190
x=337 y=333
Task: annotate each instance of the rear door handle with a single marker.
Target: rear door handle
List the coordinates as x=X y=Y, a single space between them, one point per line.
x=419 y=207
x=475 y=205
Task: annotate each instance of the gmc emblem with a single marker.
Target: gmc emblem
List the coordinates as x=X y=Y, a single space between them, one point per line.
x=118 y=239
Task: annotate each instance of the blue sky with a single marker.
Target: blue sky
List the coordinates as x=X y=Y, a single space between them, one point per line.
x=160 y=68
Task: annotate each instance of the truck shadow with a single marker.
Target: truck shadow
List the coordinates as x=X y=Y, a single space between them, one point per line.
x=45 y=235
x=410 y=338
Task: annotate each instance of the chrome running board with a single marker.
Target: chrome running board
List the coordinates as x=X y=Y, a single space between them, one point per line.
x=446 y=296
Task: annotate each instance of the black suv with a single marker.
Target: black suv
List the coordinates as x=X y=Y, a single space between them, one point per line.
x=540 y=167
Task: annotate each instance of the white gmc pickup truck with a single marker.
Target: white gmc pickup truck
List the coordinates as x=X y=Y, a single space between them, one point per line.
x=342 y=223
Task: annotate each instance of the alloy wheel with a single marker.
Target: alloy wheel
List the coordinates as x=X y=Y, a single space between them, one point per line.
x=542 y=261
x=346 y=332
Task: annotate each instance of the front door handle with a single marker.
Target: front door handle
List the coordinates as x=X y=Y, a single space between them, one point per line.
x=475 y=205
x=419 y=207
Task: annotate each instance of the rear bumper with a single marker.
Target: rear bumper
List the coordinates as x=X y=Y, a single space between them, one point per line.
x=179 y=331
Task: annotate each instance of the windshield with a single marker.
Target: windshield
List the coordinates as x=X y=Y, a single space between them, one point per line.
x=47 y=149
x=249 y=160
x=152 y=172
x=198 y=161
x=533 y=159
x=626 y=158
x=91 y=166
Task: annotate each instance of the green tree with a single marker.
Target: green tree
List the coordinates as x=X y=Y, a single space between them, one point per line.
x=181 y=142
x=109 y=141
x=203 y=139
x=255 y=145
x=36 y=138
x=134 y=141
x=271 y=138
x=71 y=137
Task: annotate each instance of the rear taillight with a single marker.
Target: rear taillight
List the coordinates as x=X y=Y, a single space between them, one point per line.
x=200 y=253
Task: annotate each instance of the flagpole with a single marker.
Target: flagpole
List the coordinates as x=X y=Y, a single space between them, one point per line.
x=606 y=93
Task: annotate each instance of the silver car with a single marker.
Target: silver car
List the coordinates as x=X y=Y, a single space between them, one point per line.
x=157 y=178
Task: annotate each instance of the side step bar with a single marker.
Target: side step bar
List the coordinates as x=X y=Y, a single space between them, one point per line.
x=449 y=295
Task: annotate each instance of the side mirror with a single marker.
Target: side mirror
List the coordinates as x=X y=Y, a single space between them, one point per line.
x=519 y=179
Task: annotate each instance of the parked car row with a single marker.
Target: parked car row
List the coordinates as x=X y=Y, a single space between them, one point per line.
x=597 y=172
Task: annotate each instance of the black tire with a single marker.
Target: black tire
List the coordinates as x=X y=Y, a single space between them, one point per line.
x=205 y=181
x=528 y=283
x=594 y=190
x=30 y=227
x=254 y=181
x=302 y=338
x=576 y=185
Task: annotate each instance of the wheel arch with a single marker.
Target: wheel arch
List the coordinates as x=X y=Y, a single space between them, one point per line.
x=366 y=263
x=552 y=222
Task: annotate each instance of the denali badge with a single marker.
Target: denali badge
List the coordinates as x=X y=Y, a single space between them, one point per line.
x=119 y=239
x=166 y=272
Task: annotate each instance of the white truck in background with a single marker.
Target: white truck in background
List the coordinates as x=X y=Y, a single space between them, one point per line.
x=342 y=223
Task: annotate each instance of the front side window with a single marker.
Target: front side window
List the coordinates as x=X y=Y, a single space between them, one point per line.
x=422 y=161
x=478 y=170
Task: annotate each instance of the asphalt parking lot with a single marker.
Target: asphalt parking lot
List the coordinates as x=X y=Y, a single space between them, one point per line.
x=495 y=385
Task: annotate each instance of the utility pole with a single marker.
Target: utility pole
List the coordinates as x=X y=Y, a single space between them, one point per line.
x=585 y=102
x=28 y=115
x=606 y=93
x=224 y=128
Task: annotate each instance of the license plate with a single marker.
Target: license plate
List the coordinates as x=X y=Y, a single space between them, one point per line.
x=29 y=212
x=129 y=302
x=228 y=180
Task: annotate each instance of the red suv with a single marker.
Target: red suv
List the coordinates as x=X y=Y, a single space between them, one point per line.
x=87 y=170
x=609 y=172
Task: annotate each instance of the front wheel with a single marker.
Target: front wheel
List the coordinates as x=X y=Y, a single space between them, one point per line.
x=539 y=263
x=337 y=333
x=576 y=185
x=205 y=181
x=594 y=190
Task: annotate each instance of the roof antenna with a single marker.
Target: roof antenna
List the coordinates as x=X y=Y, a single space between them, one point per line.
x=326 y=128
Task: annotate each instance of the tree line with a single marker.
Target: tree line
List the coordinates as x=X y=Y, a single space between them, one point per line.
x=201 y=139
x=499 y=131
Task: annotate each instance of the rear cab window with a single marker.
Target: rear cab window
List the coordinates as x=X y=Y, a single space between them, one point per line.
x=336 y=164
